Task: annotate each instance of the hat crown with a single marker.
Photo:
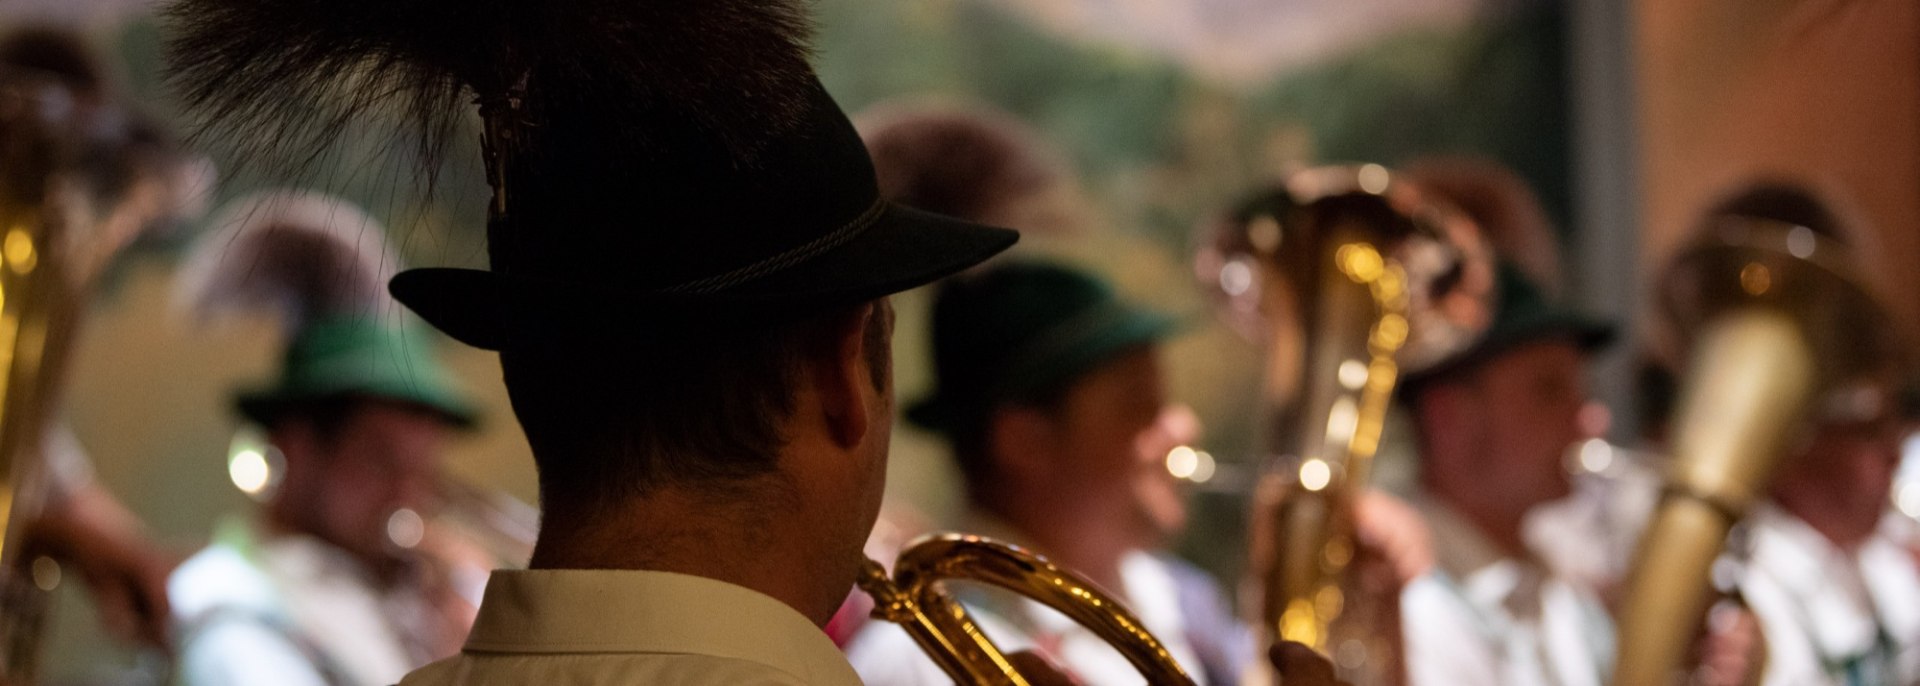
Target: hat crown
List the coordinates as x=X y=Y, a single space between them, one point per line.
x=981 y=324
x=1021 y=330
x=668 y=203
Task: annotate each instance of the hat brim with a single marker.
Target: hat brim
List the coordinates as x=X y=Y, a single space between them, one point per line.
x=943 y=413
x=903 y=249
x=268 y=405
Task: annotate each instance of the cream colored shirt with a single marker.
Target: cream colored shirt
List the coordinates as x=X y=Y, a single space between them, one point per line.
x=1492 y=620
x=586 y=627
x=286 y=610
x=1831 y=616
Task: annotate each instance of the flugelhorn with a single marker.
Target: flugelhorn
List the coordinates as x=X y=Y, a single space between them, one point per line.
x=915 y=598
x=1347 y=278
x=1768 y=315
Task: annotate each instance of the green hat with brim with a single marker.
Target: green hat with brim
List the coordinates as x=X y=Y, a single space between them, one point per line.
x=1525 y=315
x=1021 y=330
x=359 y=357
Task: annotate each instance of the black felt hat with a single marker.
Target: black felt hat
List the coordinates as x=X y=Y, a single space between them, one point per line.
x=682 y=231
x=653 y=165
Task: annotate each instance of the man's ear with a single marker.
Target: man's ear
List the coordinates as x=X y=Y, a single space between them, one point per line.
x=1019 y=438
x=843 y=377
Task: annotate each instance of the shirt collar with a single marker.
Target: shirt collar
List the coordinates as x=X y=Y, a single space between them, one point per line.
x=628 y=611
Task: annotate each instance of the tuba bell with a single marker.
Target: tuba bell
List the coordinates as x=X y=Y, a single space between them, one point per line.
x=1769 y=316
x=1347 y=278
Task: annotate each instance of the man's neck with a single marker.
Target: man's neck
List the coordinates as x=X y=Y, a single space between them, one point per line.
x=671 y=531
x=1499 y=528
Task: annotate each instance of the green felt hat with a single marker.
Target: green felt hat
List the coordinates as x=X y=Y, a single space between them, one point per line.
x=359 y=356
x=1020 y=330
x=1525 y=315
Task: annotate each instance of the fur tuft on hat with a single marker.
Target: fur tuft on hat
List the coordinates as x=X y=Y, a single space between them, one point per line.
x=964 y=162
x=304 y=256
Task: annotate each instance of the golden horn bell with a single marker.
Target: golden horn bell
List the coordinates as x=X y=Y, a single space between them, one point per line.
x=915 y=598
x=1346 y=278
x=1770 y=317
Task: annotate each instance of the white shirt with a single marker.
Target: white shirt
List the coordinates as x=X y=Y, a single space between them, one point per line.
x=1486 y=619
x=1829 y=616
x=589 y=627
x=286 y=610
x=884 y=655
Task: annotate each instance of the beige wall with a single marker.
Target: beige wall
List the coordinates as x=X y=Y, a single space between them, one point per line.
x=1826 y=91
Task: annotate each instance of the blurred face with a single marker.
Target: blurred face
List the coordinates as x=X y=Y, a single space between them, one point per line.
x=1161 y=496
x=1517 y=415
x=1841 y=482
x=343 y=488
x=1093 y=447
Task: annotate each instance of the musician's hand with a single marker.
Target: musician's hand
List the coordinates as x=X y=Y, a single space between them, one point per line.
x=127 y=575
x=1038 y=670
x=1732 y=652
x=128 y=580
x=1394 y=532
x=1298 y=665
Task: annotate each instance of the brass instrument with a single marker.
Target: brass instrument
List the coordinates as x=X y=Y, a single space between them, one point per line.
x=1348 y=278
x=915 y=599
x=1770 y=316
x=38 y=304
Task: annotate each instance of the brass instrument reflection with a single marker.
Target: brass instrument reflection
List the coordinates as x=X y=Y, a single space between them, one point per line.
x=1348 y=279
x=1770 y=317
x=915 y=598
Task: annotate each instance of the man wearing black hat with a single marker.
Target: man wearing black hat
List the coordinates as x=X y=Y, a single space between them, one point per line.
x=1493 y=426
x=689 y=269
x=1047 y=385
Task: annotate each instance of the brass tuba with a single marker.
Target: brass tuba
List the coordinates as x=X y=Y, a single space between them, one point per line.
x=1348 y=278
x=73 y=190
x=915 y=599
x=1770 y=316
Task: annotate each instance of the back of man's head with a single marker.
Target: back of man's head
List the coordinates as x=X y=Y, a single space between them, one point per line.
x=615 y=418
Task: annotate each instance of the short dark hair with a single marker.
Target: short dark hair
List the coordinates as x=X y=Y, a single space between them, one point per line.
x=610 y=418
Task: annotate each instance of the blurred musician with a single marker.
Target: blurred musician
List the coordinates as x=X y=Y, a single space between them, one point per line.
x=324 y=583
x=1492 y=427
x=1838 y=602
x=1049 y=386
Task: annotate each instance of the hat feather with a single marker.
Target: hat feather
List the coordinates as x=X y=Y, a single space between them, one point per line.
x=302 y=256
x=283 y=79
